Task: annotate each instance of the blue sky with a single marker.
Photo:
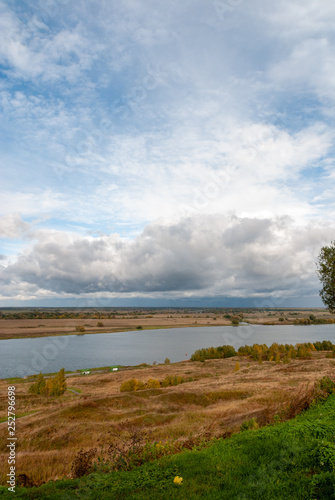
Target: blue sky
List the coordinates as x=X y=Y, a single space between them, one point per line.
x=165 y=151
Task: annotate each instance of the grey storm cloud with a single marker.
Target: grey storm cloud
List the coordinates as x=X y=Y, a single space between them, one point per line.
x=212 y=254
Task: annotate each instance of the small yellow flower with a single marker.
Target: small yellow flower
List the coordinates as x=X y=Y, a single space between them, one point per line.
x=178 y=480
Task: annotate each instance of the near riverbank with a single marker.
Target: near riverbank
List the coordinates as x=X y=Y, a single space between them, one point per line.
x=214 y=399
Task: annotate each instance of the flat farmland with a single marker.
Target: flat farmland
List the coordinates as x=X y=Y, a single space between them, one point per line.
x=16 y=325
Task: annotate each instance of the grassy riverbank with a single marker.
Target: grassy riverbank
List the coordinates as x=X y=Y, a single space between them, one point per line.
x=214 y=400
x=291 y=460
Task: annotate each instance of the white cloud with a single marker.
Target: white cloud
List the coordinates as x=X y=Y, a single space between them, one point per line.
x=32 y=54
x=294 y=20
x=309 y=65
x=12 y=226
x=119 y=115
x=213 y=255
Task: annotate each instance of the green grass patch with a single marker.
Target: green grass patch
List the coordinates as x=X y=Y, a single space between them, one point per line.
x=19 y=415
x=15 y=380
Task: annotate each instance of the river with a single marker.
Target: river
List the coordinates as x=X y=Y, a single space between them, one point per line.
x=20 y=357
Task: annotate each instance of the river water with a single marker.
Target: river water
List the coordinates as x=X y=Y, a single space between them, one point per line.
x=20 y=357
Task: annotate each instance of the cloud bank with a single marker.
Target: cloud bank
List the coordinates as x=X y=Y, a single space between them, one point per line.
x=207 y=256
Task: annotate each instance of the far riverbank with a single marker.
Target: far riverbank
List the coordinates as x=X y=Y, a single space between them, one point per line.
x=24 y=323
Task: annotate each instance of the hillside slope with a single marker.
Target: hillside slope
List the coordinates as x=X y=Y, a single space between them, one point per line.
x=291 y=460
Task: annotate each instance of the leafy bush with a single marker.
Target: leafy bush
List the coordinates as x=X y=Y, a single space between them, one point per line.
x=167 y=361
x=249 y=424
x=39 y=386
x=152 y=384
x=326 y=385
x=100 y=324
x=303 y=351
x=139 y=327
x=225 y=351
x=80 y=328
x=131 y=385
x=134 y=384
x=172 y=380
x=325 y=345
x=53 y=386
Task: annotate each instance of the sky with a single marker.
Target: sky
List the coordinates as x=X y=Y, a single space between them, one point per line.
x=165 y=153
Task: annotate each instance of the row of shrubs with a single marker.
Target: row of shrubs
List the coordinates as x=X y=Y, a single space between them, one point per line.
x=224 y=351
x=276 y=352
x=261 y=352
x=312 y=320
x=134 y=384
x=325 y=345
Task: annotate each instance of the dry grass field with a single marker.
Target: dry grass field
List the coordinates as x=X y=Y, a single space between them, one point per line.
x=93 y=410
x=129 y=320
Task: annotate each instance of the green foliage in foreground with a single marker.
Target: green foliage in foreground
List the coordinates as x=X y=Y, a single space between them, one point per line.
x=292 y=460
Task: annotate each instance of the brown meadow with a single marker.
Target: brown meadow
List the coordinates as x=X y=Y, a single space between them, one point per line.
x=93 y=410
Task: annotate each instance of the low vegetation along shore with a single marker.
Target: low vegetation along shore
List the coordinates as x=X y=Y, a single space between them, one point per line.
x=216 y=425
x=25 y=323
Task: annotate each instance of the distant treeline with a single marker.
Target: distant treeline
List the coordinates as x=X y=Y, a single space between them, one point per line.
x=235 y=315
x=312 y=320
x=110 y=313
x=73 y=314
x=261 y=352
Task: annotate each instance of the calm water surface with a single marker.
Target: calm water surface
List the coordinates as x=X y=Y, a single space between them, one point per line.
x=21 y=357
